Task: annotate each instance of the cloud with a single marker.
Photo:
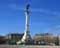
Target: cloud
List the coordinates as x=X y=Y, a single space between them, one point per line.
x=46 y=11
x=58 y=26
x=20 y=7
x=13 y=6
x=55 y=29
x=16 y=7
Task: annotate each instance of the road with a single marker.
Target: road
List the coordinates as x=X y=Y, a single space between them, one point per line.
x=23 y=46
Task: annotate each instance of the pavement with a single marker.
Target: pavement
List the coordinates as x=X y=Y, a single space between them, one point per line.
x=28 y=46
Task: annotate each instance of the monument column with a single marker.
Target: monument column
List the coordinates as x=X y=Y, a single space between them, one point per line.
x=26 y=39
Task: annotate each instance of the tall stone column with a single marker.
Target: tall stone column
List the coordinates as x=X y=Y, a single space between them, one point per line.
x=26 y=37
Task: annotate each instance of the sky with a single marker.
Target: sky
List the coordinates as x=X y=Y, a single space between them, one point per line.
x=44 y=16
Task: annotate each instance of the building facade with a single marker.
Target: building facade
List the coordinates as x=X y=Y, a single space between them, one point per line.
x=13 y=38
x=2 y=39
x=45 y=39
